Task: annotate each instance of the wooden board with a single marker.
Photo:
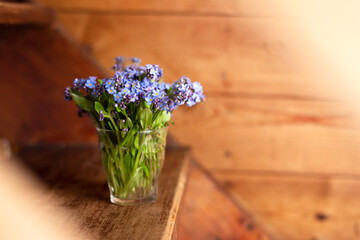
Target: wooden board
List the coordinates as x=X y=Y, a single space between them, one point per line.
x=241 y=56
x=24 y=13
x=208 y=212
x=76 y=184
x=271 y=134
x=214 y=7
x=298 y=206
x=37 y=63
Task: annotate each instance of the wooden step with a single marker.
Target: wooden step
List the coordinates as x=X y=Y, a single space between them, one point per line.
x=209 y=212
x=76 y=183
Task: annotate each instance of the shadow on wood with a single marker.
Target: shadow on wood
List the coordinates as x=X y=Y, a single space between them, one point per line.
x=38 y=60
x=208 y=212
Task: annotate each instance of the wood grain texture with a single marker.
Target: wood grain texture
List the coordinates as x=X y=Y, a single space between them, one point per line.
x=262 y=108
x=226 y=54
x=214 y=7
x=271 y=134
x=24 y=13
x=37 y=63
x=76 y=184
x=299 y=207
x=207 y=212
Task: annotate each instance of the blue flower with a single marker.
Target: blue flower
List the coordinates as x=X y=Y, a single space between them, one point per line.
x=98 y=90
x=119 y=76
x=109 y=83
x=125 y=92
x=183 y=84
x=131 y=72
x=120 y=60
x=135 y=84
x=127 y=84
x=78 y=84
x=117 y=97
x=135 y=60
x=111 y=90
x=76 y=81
x=156 y=93
x=196 y=95
x=145 y=84
x=141 y=70
x=67 y=94
x=159 y=71
x=90 y=82
x=151 y=72
x=134 y=96
x=164 y=86
x=197 y=87
x=149 y=99
x=136 y=91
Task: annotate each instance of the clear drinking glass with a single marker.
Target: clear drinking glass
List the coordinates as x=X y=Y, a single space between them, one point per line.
x=133 y=161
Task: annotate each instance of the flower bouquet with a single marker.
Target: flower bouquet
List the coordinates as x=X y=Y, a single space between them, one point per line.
x=132 y=111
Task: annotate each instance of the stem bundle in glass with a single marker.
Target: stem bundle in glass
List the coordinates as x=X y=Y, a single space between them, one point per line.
x=131 y=111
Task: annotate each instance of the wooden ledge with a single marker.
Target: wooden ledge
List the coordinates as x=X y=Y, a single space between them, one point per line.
x=25 y=14
x=75 y=182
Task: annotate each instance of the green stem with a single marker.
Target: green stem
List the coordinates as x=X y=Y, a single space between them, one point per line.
x=119 y=150
x=128 y=136
x=122 y=165
x=113 y=122
x=132 y=173
x=114 y=157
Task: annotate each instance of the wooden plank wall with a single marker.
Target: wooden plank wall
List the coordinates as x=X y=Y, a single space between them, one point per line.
x=261 y=104
x=268 y=115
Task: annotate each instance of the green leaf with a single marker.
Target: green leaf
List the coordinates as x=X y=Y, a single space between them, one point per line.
x=167 y=116
x=111 y=105
x=121 y=125
x=136 y=142
x=145 y=104
x=145 y=118
x=81 y=101
x=138 y=113
x=99 y=107
x=128 y=136
x=128 y=123
x=146 y=171
x=162 y=118
x=155 y=115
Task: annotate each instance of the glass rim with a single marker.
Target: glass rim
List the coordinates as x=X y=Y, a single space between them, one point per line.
x=146 y=131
